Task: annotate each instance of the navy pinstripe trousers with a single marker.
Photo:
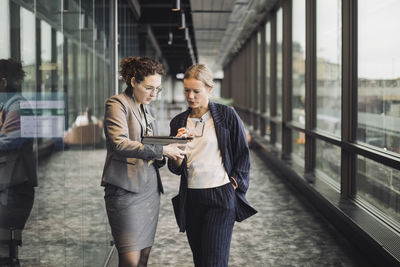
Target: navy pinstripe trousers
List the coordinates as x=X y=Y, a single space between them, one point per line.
x=209 y=224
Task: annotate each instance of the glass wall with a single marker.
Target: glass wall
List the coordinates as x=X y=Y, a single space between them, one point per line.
x=357 y=159
x=379 y=102
x=52 y=195
x=329 y=58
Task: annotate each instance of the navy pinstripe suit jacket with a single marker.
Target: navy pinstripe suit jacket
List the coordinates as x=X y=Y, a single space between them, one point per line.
x=235 y=157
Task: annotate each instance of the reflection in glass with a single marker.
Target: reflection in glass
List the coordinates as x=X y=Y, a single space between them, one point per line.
x=379 y=185
x=67 y=224
x=329 y=47
x=328 y=161
x=379 y=74
x=17 y=159
x=4 y=29
x=299 y=58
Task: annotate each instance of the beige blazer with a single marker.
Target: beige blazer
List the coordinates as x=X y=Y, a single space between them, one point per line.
x=129 y=163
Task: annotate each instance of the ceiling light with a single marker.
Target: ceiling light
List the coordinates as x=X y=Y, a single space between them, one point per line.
x=176 y=5
x=170 y=38
x=182 y=23
x=187 y=34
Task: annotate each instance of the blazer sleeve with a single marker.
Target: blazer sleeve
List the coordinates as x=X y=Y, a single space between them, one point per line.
x=117 y=131
x=240 y=153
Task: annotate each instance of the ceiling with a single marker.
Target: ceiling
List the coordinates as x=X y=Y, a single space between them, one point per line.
x=216 y=28
x=157 y=13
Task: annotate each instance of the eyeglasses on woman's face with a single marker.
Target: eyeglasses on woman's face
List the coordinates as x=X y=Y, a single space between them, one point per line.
x=151 y=89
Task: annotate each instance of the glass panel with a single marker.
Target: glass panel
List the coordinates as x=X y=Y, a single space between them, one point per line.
x=45 y=66
x=379 y=74
x=267 y=66
x=62 y=219
x=28 y=51
x=329 y=47
x=299 y=58
x=328 y=161
x=379 y=185
x=278 y=135
x=258 y=93
x=298 y=143
x=59 y=62
x=5 y=29
x=279 y=62
x=128 y=30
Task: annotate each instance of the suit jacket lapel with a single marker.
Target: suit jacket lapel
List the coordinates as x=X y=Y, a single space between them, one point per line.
x=217 y=117
x=220 y=130
x=135 y=110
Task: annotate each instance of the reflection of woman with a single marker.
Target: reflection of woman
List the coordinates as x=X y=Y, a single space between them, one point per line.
x=17 y=160
x=214 y=173
x=131 y=177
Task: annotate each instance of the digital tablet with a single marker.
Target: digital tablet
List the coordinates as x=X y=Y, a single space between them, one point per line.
x=165 y=140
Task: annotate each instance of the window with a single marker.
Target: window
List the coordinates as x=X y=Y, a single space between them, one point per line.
x=28 y=51
x=379 y=74
x=298 y=60
x=379 y=185
x=328 y=162
x=46 y=64
x=329 y=46
x=5 y=29
x=298 y=141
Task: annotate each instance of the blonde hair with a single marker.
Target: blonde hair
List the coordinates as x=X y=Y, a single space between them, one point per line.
x=200 y=72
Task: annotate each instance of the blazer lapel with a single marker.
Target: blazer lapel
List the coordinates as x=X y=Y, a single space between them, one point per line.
x=220 y=130
x=218 y=119
x=135 y=110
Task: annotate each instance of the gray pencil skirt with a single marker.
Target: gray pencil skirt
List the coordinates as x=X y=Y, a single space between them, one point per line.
x=133 y=217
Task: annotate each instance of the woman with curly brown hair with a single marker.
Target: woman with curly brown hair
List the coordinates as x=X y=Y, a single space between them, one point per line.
x=131 y=177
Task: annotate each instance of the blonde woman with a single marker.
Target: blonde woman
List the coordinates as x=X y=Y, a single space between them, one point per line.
x=214 y=172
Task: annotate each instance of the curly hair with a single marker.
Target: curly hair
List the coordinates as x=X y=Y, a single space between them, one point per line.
x=11 y=69
x=139 y=67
